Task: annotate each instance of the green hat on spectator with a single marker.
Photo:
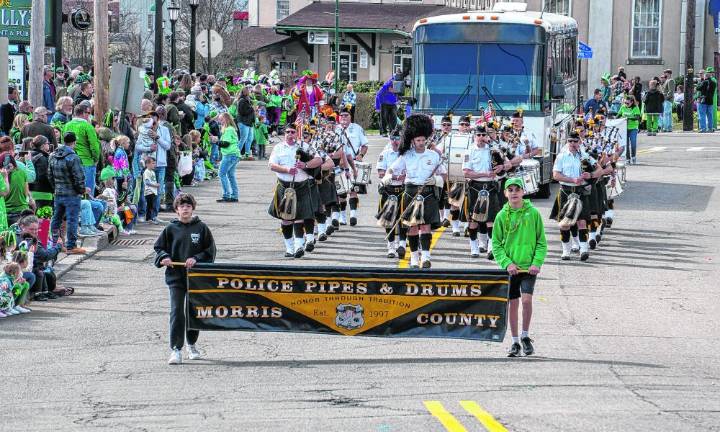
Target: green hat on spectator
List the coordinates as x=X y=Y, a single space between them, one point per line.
x=517 y=181
x=107 y=173
x=710 y=69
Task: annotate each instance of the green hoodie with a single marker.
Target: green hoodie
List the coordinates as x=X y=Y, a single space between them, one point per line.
x=519 y=237
x=87 y=145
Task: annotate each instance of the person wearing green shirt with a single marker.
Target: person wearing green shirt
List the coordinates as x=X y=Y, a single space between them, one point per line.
x=520 y=247
x=4 y=191
x=631 y=112
x=230 y=152
x=261 y=136
x=87 y=145
x=18 y=197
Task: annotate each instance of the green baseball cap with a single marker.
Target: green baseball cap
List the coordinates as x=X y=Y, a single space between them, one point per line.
x=517 y=181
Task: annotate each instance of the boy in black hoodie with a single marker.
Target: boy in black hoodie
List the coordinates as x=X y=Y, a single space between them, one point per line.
x=190 y=241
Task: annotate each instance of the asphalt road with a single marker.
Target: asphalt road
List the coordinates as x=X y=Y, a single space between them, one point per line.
x=623 y=342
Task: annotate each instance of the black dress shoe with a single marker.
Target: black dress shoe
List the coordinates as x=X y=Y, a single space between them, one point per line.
x=335 y=223
x=40 y=297
x=221 y=200
x=584 y=256
x=592 y=243
x=330 y=230
x=232 y=200
x=289 y=254
x=426 y=264
x=310 y=246
x=445 y=223
x=401 y=252
x=353 y=221
x=299 y=253
x=322 y=237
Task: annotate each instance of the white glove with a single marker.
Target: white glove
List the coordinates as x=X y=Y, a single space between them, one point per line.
x=387 y=179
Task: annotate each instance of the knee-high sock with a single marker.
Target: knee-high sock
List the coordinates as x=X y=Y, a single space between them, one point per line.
x=287 y=231
x=583 y=235
x=403 y=234
x=391 y=234
x=574 y=230
x=299 y=229
x=354 y=203
x=455 y=214
x=565 y=236
x=425 y=241
x=473 y=233
x=343 y=206
x=309 y=225
x=482 y=228
x=414 y=242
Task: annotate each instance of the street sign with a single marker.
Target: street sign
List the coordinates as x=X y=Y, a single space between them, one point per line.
x=135 y=88
x=318 y=38
x=216 y=43
x=16 y=73
x=584 y=51
x=80 y=19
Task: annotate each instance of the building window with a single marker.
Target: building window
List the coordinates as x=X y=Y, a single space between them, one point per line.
x=560 y=7
x=150 y=21
x=646 y=32
x=402 y=58
x=283 y=9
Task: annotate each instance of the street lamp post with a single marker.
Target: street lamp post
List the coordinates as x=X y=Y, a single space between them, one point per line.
x=193 y=24
x=173 y=13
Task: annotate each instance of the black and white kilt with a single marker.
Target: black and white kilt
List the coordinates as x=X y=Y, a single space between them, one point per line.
x=387 y=191
x=471 y=196
x=307 y=204
x=328 y=191
x=431 y=211
x=562 y=197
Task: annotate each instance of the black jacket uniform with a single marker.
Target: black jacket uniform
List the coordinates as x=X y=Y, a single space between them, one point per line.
x=180 y=241
x=65 y=172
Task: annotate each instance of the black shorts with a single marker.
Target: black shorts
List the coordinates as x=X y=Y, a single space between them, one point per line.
x=521 y=283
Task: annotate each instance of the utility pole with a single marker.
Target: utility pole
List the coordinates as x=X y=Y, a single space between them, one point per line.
x=337 y=47
x=688 y=118
x=37 y=52
x=158 y=37
x=209 y=26
x=57 y=16
x=101 y=58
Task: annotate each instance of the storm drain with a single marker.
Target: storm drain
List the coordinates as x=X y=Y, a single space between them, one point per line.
x=132 y=242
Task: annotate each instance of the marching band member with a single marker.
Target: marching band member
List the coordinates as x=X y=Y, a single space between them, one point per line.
x=390 y=196
x=443 y=150
x=336 y=151
x=424 y=174
x=482 y=201
x=568 y=171
x=527 y=146
x=464 y=124
x=353 y=137
x=293 y=202
x=328 y=192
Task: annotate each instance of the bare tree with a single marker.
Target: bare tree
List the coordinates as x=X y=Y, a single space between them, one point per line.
x=130 y=45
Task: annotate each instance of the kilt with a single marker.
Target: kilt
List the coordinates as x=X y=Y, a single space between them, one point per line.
x=328 y=192
x=471 y=196
x=306 y=205
x=599 y=194
x=315 y=196
x=396 y=190
x=561 y=199
x=431 y=212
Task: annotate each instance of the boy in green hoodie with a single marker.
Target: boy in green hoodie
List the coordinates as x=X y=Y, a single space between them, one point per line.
x=520 y=247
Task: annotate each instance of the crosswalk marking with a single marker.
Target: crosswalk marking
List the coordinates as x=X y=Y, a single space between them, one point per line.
x=439 y=412
x=483 y=416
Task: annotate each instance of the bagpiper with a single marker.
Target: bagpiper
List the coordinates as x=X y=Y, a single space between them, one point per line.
x=390 y=197
x=424 y=177
x=355 y=144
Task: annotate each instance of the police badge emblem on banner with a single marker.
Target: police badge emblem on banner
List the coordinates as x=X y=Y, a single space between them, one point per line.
x=460 y=304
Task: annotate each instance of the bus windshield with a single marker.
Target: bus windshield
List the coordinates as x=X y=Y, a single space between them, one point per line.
x=511 y=73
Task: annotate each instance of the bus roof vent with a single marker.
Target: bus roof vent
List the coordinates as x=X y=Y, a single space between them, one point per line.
x=509 y=7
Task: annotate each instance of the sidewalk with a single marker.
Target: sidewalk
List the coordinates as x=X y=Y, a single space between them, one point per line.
x=92 y=245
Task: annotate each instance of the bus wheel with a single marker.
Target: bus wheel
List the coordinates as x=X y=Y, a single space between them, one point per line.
x=544 y=191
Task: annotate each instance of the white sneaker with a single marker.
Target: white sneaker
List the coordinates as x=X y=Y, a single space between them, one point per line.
x=22 y=309
x=193 y=353
x=125 y=232
x=11 y=311
x=175 y=357
x=132 y=232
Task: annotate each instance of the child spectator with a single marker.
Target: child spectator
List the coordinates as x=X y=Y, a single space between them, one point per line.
x=186 y=240
x=151 y=189
x=261 y=136
x=121 y=165
x=21 y=287
x=11 y=271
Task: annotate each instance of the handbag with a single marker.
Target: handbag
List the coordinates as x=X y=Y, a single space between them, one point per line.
x=223 y=144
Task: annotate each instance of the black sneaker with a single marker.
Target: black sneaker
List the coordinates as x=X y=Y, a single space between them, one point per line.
x=401 y=252
x=445 y=223
x=592 y=243
x=335 y=223
x=330 y=230
x=353 y=221
x=527 y=346
x=299 y=253
x=310 y=246
x=584 y=256
x=322 y=237
x=221 y=200
x=514 y=350
x=491 y=256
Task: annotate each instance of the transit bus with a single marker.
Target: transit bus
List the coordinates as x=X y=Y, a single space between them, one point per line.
x=518 y=59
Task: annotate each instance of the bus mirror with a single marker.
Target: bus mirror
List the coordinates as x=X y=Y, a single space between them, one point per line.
x=558 y=91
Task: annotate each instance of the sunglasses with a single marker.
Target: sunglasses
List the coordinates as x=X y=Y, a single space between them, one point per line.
x=464 y=124
x=573 y=140
x=292 y=132
x=447 y=124
x=480 y=134
x=394 y=138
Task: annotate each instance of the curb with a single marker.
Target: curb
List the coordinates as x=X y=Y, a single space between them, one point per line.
x=92 y=244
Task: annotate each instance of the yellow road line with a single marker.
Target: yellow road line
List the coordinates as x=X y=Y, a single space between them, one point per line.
x=439 y=412
x=405 y=262
x=483 y=416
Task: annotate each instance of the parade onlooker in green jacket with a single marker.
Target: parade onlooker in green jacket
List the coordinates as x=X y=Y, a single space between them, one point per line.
x=520 y=247
x=261 y=136
x=87 y=145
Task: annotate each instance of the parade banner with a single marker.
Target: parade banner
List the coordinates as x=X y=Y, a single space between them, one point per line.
x=464 y=304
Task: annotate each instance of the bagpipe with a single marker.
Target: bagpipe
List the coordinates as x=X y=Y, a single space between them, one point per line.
x=287 y=208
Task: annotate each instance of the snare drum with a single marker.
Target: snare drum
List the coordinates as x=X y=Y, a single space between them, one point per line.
x=457 y=145
x=364 y=169
x=342 y=183
x=533 y=166
x=530 y=186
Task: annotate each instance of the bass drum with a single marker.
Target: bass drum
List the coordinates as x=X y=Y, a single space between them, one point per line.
x=457 y=146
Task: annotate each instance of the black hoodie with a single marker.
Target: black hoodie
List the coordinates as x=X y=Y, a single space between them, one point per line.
x=180 y=241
